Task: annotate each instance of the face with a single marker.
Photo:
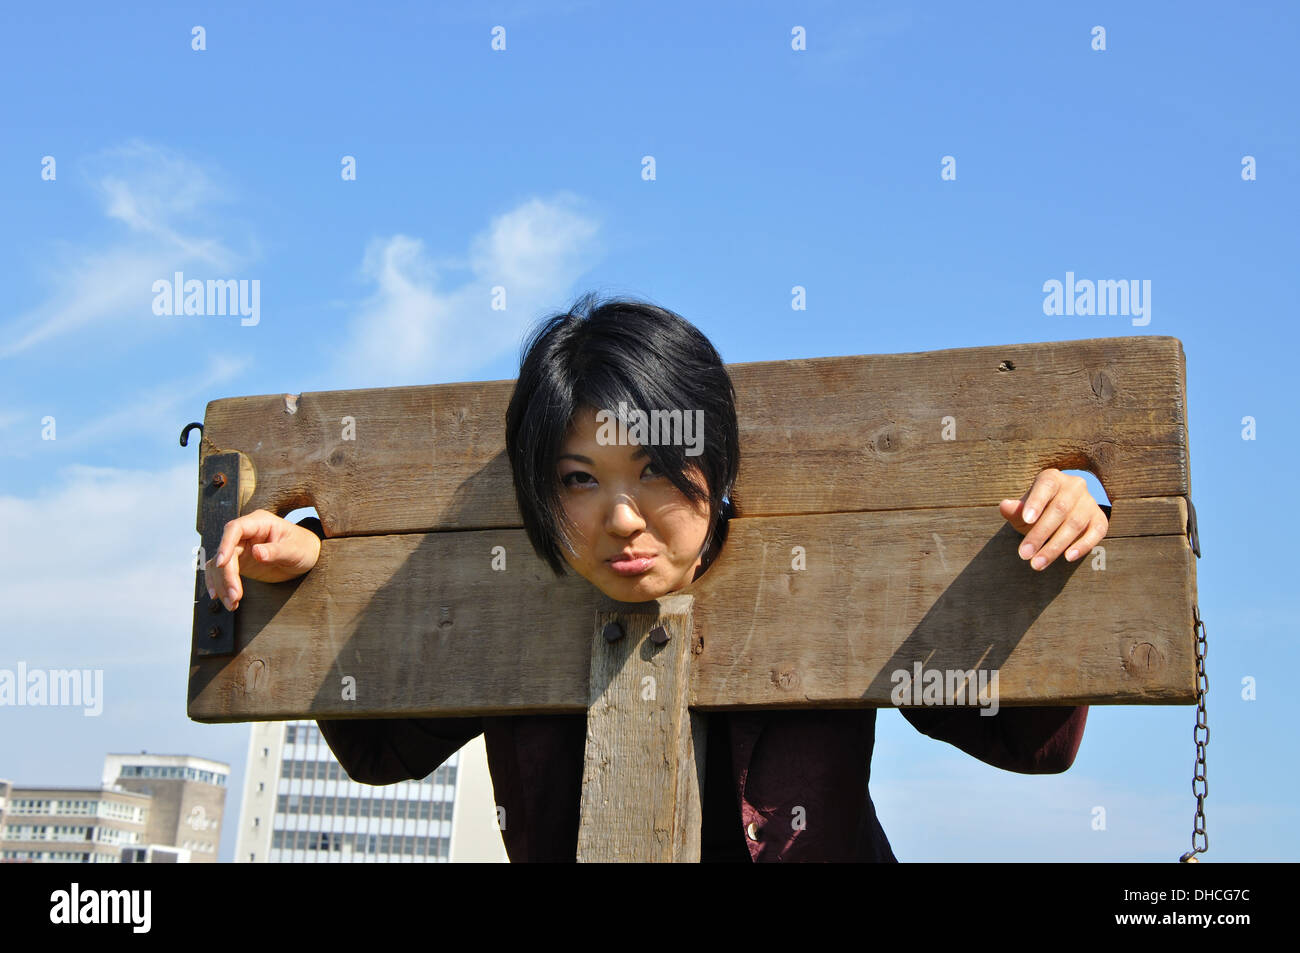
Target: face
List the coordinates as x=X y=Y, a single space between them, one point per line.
x=620 y=503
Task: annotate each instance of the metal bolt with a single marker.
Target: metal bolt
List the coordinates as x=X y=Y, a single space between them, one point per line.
x=215 y=606
x=659 y=635
x=613 y=632
x=214 y=632
x=219 y=480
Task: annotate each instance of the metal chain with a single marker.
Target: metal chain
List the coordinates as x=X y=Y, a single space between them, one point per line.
x=1202 y=689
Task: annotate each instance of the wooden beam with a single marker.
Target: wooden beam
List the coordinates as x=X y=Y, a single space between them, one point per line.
x=644 y=766
x=422 y=624
x=959 y=427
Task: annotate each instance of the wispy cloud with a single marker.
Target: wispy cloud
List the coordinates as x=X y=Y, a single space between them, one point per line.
x=151 y=411
x=158 y=408
x=96 y=572
x=105 y=551
x=152 y=191
x=419 y=328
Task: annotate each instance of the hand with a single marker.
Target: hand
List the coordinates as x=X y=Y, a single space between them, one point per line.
x=1061 y=513
x=277 y=550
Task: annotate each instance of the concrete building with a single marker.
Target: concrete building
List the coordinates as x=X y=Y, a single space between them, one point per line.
x=189 y=798
x=71 y=825
x=300 y=806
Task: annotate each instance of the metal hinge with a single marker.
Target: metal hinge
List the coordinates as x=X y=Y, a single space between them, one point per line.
x=214 y=627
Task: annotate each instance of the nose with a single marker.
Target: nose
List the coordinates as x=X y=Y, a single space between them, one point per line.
x=624 y=518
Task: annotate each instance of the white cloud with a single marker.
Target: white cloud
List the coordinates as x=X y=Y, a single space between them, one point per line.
x=415 y=330
x=96 y=572
x=153 y=410
x=159 y=408
x=150 y=190
x=97 y=568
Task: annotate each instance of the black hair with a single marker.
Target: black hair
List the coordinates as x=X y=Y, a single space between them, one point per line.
x=597 y=354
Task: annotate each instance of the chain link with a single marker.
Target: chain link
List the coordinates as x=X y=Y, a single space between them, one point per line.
x=1202 y=726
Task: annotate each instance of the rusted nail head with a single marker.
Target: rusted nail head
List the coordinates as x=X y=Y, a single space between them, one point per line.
x=219 y=480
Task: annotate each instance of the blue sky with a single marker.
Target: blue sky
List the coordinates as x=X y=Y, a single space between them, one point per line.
x=523 y=168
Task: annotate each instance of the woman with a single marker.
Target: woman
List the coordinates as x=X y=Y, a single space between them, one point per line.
x=640 y=521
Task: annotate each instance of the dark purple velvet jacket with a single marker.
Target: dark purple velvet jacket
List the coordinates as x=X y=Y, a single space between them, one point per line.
x=779 y=785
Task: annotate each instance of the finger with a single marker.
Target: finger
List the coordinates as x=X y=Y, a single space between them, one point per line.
x=232 y=534
x=1046 y=485
x=228 y=552
x=211 y=576
x=1085 y=543
x=235 y=592
x=1069 y=490
x=232 y=590
x=267 y=552
x=219 y=580
x=1072 y=527
x=1012 y=511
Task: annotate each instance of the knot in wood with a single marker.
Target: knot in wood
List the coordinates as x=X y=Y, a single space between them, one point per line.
x=1102 y=385
x=1144 y=659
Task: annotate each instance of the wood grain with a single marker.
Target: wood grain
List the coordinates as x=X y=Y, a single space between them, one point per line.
x=426 y=626
x=643 y=772
x=958 y=427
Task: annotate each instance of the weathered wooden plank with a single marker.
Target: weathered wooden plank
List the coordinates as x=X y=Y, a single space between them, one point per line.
x=643 y=774
x=958 y=427
x=426 y=626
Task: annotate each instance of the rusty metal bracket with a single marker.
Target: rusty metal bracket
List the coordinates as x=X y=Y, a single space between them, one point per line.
x=214 y=627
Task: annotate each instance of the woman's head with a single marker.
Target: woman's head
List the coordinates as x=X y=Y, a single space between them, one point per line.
x=622 y=438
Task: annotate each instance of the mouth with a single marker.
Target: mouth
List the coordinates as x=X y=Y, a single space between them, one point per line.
x=631 y=565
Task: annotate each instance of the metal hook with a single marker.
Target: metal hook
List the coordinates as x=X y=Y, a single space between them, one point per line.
x=185 y=434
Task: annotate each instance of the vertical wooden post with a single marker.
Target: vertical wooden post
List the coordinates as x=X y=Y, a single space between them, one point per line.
x=644 y=768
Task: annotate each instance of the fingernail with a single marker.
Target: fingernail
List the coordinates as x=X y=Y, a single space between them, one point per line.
x=1071 y=554
x=1026 y=550
x=212 y=593
x=233 y=596
x=1039 y=562
x=1029 y=516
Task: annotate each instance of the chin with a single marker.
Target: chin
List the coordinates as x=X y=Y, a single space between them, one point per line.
x=634 y=588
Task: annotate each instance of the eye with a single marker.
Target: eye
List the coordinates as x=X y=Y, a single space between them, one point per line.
x=570 y=479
